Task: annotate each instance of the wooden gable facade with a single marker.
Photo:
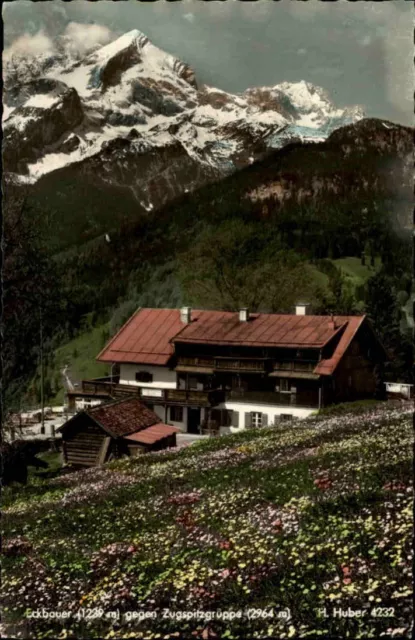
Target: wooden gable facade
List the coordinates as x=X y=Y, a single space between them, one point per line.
x=85 y=443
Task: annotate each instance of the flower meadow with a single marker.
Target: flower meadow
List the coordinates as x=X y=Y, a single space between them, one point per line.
x=262 y=534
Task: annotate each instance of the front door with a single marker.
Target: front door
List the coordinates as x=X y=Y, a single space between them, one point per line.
x=193 y=420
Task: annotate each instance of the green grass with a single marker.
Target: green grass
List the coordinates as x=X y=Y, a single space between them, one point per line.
x=320 y=279
x=349 y=407
x=313 y=514
x=353 y=269
x=79 y=354
x=54 y=460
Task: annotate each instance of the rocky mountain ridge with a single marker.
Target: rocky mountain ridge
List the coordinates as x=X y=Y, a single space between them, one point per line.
x=132 y=116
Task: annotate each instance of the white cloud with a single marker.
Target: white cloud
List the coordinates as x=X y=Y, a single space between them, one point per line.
x=30 y=46
x=83 y=38
x=77 y=40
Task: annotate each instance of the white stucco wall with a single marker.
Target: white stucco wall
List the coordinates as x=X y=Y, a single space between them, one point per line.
x=273 y=412
x=160 y=411
x=163 y=378
x=180 y=425
x=81 y=403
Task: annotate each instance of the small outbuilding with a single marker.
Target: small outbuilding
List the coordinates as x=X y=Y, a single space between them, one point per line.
x=122 y=428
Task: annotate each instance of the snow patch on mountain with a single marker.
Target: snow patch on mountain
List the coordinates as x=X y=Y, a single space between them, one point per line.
x=42 y=101
x=133 y=92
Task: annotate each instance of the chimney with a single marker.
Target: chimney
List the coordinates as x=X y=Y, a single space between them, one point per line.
x=332 y=323
x=301 y=308
x=186 y=315
x=243 y=314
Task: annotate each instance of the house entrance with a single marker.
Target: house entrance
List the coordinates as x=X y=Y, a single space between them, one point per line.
x=193 y=420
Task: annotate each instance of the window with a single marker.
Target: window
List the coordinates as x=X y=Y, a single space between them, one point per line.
x=181 y=382
x=284 y=417
x=176 y=414
x=143 y=376
x=256 y=419
x=285 y=386
x=192 y=382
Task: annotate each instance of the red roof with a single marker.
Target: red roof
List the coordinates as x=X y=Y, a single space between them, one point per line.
x=326 y=367
x=145 y=338
x=123 y=417
x=149 y=336
x=262 y=330
x=153 y=434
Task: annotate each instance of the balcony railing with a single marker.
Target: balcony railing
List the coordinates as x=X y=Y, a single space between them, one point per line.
x=100 y=386
x=194 y=397
x=248 y=365
x=240 y=364
x=254 y=365
x=302 y=399
x=187 y=361
x=300 y=365
x=104 y=386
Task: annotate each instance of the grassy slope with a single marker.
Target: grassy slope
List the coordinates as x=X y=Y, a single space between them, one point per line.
x=355 y=271
x=300 y=516
x=79 y=354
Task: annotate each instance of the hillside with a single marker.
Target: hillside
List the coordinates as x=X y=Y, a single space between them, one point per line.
x=310 y=516
x=318 y=199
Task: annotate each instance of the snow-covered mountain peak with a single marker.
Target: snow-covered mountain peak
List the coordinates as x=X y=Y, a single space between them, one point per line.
x=129 y=98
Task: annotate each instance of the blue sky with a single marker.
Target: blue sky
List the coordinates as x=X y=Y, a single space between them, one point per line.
x=360 y=52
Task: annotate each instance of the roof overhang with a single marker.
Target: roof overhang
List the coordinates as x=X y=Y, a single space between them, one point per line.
x=189 y=369
x=304 y=375
x=153 y=434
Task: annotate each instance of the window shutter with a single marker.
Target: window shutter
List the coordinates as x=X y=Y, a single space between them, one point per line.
x=264 y=419
x=248 y=419
x=215 y=416
x=235 y=418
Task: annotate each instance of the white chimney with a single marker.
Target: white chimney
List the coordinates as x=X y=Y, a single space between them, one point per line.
x=301 y=308
x=186 y=315
x=332 y=323
x=243 y=314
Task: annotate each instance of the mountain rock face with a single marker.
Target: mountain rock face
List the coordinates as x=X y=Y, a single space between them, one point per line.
x=134 y=116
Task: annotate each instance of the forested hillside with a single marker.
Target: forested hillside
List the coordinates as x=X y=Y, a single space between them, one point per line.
x=263 y=237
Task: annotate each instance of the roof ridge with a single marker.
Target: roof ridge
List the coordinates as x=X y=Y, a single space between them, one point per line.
x=106 y=405
x=112 y=403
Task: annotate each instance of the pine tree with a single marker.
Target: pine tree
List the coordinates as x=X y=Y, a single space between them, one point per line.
x=382 y=308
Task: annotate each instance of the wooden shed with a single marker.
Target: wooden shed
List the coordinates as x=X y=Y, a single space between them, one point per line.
x=111 y=430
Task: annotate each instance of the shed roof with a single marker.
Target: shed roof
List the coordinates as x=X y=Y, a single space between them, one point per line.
x=152 y=434
x=123 y=417
x=119 y=418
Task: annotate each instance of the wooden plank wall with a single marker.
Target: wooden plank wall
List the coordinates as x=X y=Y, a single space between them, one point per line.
x=83 y=445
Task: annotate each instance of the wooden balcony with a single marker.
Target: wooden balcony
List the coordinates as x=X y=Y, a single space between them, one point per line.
x=217 y=364
x=247 y=365
x=99 y=386
x=299 y=365
x=306 y=399
x=104 y=386
x=194 y=397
